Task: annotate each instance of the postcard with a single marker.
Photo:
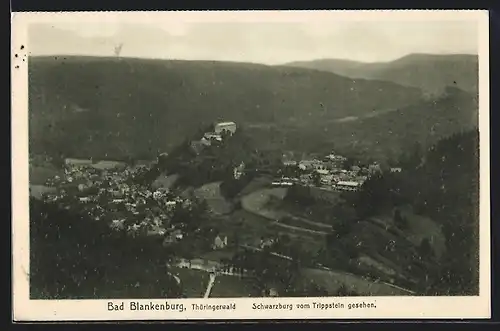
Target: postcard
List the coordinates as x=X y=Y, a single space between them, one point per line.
x=258 y=165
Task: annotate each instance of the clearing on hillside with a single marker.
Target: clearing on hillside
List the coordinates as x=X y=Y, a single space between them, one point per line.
x=233 y=287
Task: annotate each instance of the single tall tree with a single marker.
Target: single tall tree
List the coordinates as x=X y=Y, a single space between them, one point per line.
x=118 y=49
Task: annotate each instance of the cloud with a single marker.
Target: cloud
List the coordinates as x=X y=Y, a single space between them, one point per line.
x=138 y=40
x=265 y=42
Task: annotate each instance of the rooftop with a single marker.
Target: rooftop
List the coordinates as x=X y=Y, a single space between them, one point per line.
x=226 y=123
x=348 y=183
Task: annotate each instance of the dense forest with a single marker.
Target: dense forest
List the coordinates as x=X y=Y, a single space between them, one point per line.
x=443 y=185
x=383 y=136
x=73 y=257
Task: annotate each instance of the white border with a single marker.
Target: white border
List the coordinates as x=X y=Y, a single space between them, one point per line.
x=25 y=309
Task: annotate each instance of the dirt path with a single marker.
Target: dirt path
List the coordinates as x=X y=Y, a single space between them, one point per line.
x=318 y=224
x=296 y=228
x=369 y=115
x=272 y=253
x=211 y=283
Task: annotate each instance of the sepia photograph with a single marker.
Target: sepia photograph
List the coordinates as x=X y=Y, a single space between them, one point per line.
x=232 y=165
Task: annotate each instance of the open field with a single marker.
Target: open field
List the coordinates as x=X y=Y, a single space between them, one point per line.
x=387 y=243
x=256 y=184
x=386 y=249
x=423 y=227
x=104 y=165
x=38 y=175
x=321 y=214
x=194 y=282
x=385 y=268
x=250 y=227
x=333 y=280
x=37 y=191
x=233 y=287
x=325 y=194
x=165 y=181
x=258 y=202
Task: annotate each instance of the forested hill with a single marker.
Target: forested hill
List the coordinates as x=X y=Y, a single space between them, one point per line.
x=115 y=107
x=430 y=72
x=445 y=187
x=426 y=122
x=385 y=135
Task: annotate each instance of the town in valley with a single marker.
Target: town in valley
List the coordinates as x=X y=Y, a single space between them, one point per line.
x=158 y=178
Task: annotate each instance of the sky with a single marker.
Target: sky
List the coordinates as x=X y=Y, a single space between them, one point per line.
x=264 y=42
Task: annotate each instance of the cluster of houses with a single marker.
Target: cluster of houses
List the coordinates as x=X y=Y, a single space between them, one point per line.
x=221 y=130
x=327 y=173
x=110 y=194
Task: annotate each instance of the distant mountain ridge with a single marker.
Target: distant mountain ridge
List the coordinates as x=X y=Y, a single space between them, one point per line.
x=429 y=72
x=117 y=107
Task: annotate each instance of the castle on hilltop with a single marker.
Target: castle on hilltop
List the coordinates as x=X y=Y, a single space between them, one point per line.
x=225 y=126
x=219 y=129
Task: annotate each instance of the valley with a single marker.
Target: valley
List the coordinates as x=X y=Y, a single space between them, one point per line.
x=140 y=138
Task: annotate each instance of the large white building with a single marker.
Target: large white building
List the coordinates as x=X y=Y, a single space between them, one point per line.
x=225 y=126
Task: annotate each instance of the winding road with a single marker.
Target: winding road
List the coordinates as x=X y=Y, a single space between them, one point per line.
x=255 y=203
